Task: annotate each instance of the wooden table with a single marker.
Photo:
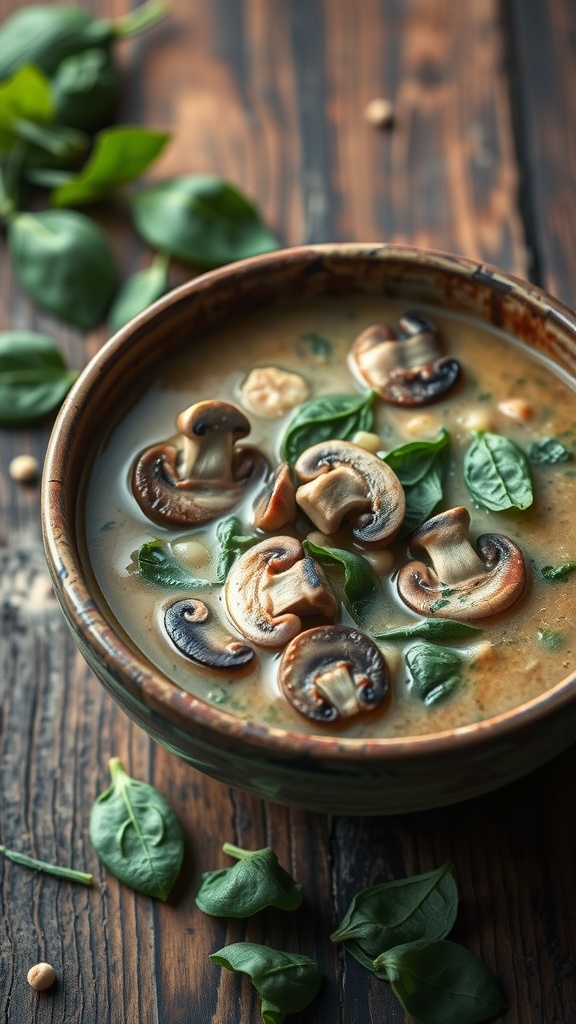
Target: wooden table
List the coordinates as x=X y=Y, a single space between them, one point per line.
x=481 y=161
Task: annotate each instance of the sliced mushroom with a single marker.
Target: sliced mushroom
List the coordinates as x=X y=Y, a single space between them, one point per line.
x=202 y=475
x=272 y=587
x=461 y=583
x=407 y=370
x=271 y=392
x=333 y=672
x=196 y=632
x=276 y=507
x=344 y=482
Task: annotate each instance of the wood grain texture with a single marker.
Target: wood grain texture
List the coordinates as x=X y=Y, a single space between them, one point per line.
x=271 y=96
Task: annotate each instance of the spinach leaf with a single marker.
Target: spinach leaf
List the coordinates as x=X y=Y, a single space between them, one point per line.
x=139 y=292
x=440 y=982
x=421 y=500
x=34 y=378
x=60 y=143
x=254 y=882
x=497 y=473
x=327 y=418
x=157 y=564
x=86 y=89
x=558 y=572
x=547 y=452
x=26 y=95
x=287 y=982
x=120 y=154
x=553 y=639
x=232 y=543
x=413 y=461
x=382 y=916
x=136 y=834
x=431 y=629
x=436 y=671
x=361 y=586
x=201 y=220
x=63 y=260
x=49 y=869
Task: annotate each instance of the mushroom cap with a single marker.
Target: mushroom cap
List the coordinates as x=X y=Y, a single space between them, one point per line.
x=332 y=672
x=271 y=587
x=197 y=634
x=409 y=370
x=215 y=417
x=171 y=495
x=462 y=583
x=343 y=481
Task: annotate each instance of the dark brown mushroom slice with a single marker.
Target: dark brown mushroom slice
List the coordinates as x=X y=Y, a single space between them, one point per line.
x=272 y=587
x=342 y=482
x=197 y=634
x=461 y=583
x=407 y=370
x=201 y=476
x=333 y=672
x=276 y=506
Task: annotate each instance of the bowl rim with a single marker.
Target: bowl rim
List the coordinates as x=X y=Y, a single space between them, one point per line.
x=158 y=691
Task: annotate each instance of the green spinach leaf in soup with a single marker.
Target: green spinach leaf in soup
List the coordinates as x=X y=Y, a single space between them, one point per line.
x=157 y=564
x=327 y=418
x=430 y=629
x=362 y=590
x=547 y=452
x=419 y=465
x=436 y=671
x=497 y=473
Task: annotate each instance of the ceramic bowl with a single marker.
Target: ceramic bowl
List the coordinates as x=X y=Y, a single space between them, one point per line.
x=320 y=772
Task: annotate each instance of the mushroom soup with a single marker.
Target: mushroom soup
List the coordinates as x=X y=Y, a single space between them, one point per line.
x=347 y=517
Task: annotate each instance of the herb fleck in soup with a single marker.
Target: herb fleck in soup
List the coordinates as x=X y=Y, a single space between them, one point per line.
x=491 y=456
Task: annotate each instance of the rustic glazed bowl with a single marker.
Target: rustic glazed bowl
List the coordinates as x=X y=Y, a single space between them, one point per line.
x=320 y=772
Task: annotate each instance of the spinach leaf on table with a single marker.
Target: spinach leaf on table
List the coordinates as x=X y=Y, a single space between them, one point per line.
x=86 y=89
x=440 y=982
x=120 y=154
x=25 y=96
x=201 y=220
x=287 y=982
x=497 y=473
x=136 y=834
x=69 y=874
x=392 y=913
x=256 y=881
x=138 y=292
x=34 y=378
x=327 y=418
x=436 y=671
x=64 y=261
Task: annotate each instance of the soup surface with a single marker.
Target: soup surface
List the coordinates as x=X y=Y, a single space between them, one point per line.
x=504 y=390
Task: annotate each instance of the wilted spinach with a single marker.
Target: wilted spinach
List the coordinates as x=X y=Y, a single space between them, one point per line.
x=558 y=572
x=419 y=465
x=361 y=586
x=436 y=671
x=440 y=982
x=231 y=544
x=287 y=982
x=136 y=834
x=139 y=291
x=49 y=869
x=34 y=378
x=497 y=473
x=547 y=452
x=430 y=629
x=392 y=913
x=64 y=261
x=327 y=418
x=157 y=564
x=201 y=220
x=254 y=882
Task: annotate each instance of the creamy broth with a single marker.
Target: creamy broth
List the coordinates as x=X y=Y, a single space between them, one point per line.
x=518 y=654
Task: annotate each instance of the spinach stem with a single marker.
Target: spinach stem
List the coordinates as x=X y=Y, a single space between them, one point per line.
x=49 y=869
x=236 y=851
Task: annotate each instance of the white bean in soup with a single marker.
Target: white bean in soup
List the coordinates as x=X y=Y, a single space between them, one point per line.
x=475 y=456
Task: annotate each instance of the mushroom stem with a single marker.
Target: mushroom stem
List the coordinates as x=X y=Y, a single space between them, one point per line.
x=448 y=546
x=207 y=458
x=299 y=590
x=338 y=688
x=332 y=496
